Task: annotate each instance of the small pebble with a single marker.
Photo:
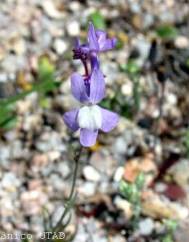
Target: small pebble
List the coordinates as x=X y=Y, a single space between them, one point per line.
x=119 y=174
x=91 y=174
x=127 y=89
x=60 y=46
x=182 y=42
x=146 y=226
x=87 y=189
x=73 y=28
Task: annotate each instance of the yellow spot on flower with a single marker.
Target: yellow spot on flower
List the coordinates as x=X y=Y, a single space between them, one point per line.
x=95 y=147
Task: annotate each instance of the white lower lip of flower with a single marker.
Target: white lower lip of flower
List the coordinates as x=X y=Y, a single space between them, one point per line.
x=90 y=117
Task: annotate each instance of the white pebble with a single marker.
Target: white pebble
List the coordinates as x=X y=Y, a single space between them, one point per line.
x=119 y=174
x=182 y=42
x=87 y=189
x=127 y=89
x=172 y=99
x=73 y=28
x=146 y=226
x=91 y=174
x=60 y=46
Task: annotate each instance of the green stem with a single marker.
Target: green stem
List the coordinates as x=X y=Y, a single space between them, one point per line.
x=71 y=195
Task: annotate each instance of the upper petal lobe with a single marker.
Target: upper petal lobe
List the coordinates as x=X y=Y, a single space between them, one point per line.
x=78 y=88
x=92 y=38
x=97 y=86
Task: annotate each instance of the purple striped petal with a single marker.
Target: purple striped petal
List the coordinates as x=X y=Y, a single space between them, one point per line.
x=97 y=86
x=109 y=120
x=78 y=88
x=92 y=38
x=88 y=137
x=70 y=119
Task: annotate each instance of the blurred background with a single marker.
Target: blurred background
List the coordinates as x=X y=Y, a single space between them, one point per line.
x=133 y=185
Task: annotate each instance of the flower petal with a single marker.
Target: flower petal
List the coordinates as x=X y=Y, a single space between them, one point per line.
x=107 y=44
x=94 y=60
x=101 y=34
x=97 y=86
x=77 y=43
x=78 y=88
x=88 y=137
x=104 y=42
x=109 y=120
x=70 y=119
x=92 y=38
x=90 y=117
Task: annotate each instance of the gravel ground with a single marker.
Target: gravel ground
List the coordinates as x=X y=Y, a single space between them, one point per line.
x=36 y=155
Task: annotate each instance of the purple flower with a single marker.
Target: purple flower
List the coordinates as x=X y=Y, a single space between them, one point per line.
x=91 y=117
x=97 y=42
x=90 y=90
x=81 y=51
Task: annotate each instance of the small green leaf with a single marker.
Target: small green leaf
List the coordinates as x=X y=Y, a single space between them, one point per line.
x=124 y=188
x=167 y=32
x=106 y=103
x=98 y=20
x=44 y=102
x=140 y=180
x=9 y=123
x=46 y=82
x=46 y=73
x=6 y=116
x=45 y=69
x=171 y=224
x=129 y=191
x=167 y=238
x=45 y=66
x=131 y=67
x=119 y=44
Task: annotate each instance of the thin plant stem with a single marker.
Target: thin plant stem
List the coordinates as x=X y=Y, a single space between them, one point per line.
x=161 y=100
x=71 y=195
x=76 y=159
x=160 y=116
